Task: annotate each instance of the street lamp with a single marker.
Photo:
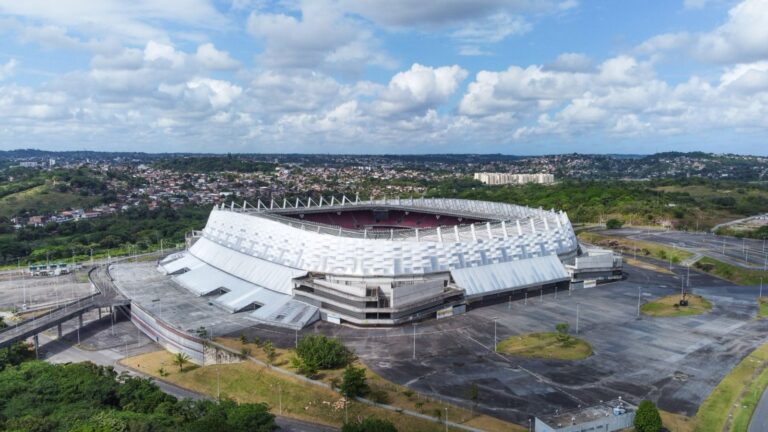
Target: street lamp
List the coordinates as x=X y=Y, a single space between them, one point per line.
x=414 y=341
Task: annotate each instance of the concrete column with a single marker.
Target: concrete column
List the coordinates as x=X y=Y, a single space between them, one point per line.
x=80 y=320
x=58 y=330
x=36 y=342
x=99 y=312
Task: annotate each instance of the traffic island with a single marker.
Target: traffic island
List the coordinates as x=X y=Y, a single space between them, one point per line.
x=546 y=345
x=672 y=306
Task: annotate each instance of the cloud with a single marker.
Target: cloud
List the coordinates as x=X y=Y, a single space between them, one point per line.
x=418 y=89
x=210 y=58
x=322 y=36
x=494 y=28
x=135 y=22
x=432 y=14
x=571 y=62
x=742 y=38
x=8 y=69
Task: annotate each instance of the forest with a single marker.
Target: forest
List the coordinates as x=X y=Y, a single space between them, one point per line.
x=83 y=397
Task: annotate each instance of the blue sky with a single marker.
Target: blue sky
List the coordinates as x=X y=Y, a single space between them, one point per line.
x=374 y=76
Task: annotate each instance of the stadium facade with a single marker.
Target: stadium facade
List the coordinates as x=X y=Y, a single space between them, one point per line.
x=377 y=262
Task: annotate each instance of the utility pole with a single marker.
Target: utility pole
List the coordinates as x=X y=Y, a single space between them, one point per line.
x=495 y=344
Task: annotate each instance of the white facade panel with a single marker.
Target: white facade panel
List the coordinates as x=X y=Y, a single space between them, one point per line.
x=510 y=275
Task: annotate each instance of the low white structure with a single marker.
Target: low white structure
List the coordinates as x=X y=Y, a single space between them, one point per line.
x=605 y=417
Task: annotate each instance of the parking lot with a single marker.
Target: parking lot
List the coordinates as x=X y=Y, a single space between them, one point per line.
x=674 y=361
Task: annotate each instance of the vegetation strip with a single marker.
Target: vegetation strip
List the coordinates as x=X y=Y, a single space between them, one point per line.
x=736 y=274
x=742 y=387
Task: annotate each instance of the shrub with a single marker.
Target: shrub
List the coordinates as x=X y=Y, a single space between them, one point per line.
x=647 y=418
x=326 y=353
x=614 y=224
x=371 y=424
x=353 y=382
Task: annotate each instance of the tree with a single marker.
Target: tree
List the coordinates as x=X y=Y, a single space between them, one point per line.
x=304 y=367
x=614 y=224
x=353 y=382
x=180 y=359
x=562 y=331
x=325 y=352
x=269 y=351
x=647 y=418
x=250 y=418
x=370 y=424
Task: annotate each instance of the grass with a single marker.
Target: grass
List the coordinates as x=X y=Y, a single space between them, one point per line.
x=545 y=345
x=665 y=306
x=736 y=274
x=43 y=199
x=250 y=382
x=385 y=391
x=629 y=246
x=737 y=394
x=676 y=422
x=762 y=307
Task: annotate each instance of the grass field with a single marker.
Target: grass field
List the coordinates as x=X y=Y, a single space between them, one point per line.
x=735 y=274
x=676 y=422
x=665 y=306
x=737 y=395
x=545 y=345
x=43 y=199
x=388 y=392
x=629 y=247
x=762 y=307
x=250 y=382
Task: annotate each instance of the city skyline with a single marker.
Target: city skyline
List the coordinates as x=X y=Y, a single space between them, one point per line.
x=369 y=77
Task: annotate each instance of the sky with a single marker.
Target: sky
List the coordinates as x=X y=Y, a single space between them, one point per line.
x=385 y=76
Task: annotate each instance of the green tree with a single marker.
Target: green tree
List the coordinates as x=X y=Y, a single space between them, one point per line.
x=180 y=359
x=325 y=352
x=250 y=418
x=562 y=331
x=353 y=382
x=647 y=418
x=614 y=224
x=269 y=351
x=370 y=424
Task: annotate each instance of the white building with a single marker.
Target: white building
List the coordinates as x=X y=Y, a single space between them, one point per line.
x=508 y=178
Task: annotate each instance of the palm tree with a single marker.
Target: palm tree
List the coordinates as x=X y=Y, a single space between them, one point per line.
x=180 y=359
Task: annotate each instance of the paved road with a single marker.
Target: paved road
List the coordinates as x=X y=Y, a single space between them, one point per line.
x=759 y=422
x=750 y=253
x=65 y=353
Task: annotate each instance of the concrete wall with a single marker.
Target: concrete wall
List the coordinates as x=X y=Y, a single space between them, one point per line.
x=168 y=337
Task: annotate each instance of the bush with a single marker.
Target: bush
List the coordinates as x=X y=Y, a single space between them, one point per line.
x=371 y=424
x=353 y=382
x=324 y=352
x=614 y=224
x=647 y=418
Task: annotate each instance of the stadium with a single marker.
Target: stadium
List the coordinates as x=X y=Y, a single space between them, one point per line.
x=379 y=262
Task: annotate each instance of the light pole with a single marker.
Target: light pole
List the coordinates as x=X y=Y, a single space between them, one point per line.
x=414 y=341
x=638 y=302
x=494 y=334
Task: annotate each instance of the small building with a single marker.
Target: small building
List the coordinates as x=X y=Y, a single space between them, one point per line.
x=594 y=265
x=608 y=416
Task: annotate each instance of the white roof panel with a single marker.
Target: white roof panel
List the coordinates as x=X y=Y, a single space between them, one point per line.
x=491 y=278
x=266 y=274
